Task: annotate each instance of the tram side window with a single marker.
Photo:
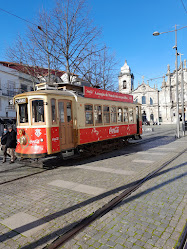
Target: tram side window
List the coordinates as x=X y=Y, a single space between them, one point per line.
x=23 y=113
x=98 y=114
x=61 y=111
x=68 y=106
x=38 y=111
x=113 y=114
x=89 y=114
x=120 y=115
x=125 y=115
x=131 y=117
x=106 y=114
x=53 y=110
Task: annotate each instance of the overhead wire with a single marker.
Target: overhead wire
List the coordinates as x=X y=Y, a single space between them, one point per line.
x=40 y=28
x=17 y=16
x=184 y=6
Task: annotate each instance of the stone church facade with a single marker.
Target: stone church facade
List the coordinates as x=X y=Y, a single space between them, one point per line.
x=157 y=105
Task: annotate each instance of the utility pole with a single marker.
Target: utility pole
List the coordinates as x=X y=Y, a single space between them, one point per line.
x=158 y=107
x=182 y=99
x=177 y=92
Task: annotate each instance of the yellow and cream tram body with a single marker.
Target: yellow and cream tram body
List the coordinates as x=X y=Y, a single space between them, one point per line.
x=53 y=122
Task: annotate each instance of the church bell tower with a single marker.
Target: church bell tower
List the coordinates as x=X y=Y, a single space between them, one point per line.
x=126 y=79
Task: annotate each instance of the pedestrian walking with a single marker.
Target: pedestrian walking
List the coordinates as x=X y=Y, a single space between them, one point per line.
x=3 y=144
x=11 y=143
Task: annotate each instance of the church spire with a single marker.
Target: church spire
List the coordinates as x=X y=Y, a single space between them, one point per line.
x=126 y=79
x=163 y=82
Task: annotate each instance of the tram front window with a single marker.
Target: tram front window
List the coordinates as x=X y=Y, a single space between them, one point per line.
x=38 y=111
x=23 y=113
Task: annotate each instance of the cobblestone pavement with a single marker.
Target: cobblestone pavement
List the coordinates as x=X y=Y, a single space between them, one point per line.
x=36 y=210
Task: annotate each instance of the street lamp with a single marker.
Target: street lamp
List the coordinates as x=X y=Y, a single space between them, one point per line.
x=156 y=33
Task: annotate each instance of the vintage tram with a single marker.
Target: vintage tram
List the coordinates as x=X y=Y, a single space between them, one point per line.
x=65 y=122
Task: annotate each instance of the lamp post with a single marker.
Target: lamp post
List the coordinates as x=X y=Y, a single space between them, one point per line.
x=176 y=68
x=182 y=100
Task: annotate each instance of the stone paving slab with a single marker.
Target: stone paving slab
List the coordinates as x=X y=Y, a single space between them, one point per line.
x=152 y=217
x=61 y=208
x=24 y=224
x=77 y=187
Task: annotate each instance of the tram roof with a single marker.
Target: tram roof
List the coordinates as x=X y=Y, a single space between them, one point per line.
x=47 y=92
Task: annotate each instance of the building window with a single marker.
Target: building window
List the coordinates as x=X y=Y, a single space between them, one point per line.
x=136 y=100
x=144 y=118
x=124 y=84
x=151 y=101
x=143 y=100
x=152 y=117
x=11 y=88
x=23 y=88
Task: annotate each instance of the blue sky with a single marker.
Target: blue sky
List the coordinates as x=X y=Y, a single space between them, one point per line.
x=127 y=29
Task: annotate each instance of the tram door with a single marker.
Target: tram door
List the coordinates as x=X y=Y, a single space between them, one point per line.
x=65 y=124
x=138 y=119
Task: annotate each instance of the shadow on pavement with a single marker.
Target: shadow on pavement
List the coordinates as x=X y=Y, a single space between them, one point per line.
x=124 y=151
x=58 y=232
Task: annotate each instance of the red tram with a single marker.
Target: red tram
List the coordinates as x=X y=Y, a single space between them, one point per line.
x=51 y=122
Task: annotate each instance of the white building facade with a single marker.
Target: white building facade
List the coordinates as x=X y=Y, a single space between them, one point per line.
x=157 y=105
x=12 y=82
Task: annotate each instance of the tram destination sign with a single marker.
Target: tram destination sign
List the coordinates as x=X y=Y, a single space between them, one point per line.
x=21 y=101
x=96 y=93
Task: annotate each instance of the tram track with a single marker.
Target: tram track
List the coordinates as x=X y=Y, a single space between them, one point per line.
x=22 y=177
x=182 y=243
x=55 y=162
x=68 y=235
x=19 y=167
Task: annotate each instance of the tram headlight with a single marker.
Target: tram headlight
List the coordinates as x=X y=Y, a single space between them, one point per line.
x=23 y=140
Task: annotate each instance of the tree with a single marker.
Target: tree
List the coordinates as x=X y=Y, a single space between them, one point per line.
x=75 y=33
x=66 y=39
x=35 y=51
x=100 y=69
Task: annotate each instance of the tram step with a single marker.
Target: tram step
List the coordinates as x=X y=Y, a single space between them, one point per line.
x=68 y=153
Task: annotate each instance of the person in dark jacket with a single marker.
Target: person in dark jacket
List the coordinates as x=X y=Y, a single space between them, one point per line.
x=3 y=144
x=11 y=143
